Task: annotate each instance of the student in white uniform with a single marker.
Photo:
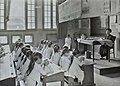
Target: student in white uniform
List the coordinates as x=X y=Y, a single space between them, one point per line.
x=40 y=45
x=75 y=70
x=57 y=55
x=68 y=41
x=18 y=52
x=49 y=51
x=35 y=71
x=1 y=50
x=44 y=46
x=65 y=60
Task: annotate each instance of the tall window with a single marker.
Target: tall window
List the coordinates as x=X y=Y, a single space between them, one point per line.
x=30 y=14
x=49 y=14
x=1 y=14
x=17 y=15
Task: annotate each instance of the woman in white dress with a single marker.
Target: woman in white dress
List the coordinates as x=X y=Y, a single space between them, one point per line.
x=65 y=60
x=49 y=51
x=56 y=56
x=35 y=71
x=68 y=41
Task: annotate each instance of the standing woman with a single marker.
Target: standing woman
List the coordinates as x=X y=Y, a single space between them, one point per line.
x=68 y=42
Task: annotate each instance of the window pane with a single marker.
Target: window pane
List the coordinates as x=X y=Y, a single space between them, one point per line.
x=54 y=14
x=54 y=25
x=15 y=38
x=1 y=12
x=29 y=25
x=33 y=25
x=4 y=39
x=1 y=6
x=28 y=39
x=1 y=19
x=54 y=2
x=1 y=25
x=31 y=13
x=54 y=19
x=29 y=7
x=54 y=8
x=2 y=1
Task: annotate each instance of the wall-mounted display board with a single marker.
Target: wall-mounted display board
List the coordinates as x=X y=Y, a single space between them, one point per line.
x=69 y=10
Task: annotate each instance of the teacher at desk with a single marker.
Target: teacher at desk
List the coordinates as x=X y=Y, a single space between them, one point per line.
x=104 y=48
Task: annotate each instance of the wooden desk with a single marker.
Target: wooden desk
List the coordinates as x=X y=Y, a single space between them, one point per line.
x=54 y=78
x=95 y=42
x=88 y=76
x=7 y=71
x=57 y=75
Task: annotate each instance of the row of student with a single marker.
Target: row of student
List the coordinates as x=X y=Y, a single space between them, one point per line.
x=29 y=61
x=65 y=58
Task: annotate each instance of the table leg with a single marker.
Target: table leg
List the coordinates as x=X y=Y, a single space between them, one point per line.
x=62 y=83
x=93 y=53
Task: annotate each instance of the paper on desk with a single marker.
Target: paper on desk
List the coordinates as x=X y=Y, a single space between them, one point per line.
x=106 y=41
x=7 y=69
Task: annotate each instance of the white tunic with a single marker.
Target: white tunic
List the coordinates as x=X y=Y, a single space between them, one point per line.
x=56 y=57
x=75 y=70
x=48 y=53
x=17 y=54
x=65 y=62
x=68 y=42
x=34 y=76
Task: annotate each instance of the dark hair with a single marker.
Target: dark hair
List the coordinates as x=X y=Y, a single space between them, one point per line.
x=64 y=51
x=42 y=42
x=37 y=54
x=28 y=46
x=49 y=44
x=75 y=52
x=66 y=47
x=23 y=50
x=21 y=44
x=109 y=30
x=29 y=53
x=68 y=35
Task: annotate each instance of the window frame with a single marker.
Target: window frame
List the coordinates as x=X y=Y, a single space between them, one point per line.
x=26 y=17
x=15 y=35
x=7 y=40
x=47 y=29
x=32 y=38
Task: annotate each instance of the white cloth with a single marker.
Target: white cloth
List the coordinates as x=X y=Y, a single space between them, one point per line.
x=48 y=53
x=34 y=76
x=75 y=70
x=17 y=54
x=65 y=62
x=68 y=42
x=56 y=57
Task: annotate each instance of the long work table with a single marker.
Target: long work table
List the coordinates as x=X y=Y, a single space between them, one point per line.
x=7 y=71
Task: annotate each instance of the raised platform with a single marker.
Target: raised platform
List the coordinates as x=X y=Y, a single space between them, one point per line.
x=104 y=67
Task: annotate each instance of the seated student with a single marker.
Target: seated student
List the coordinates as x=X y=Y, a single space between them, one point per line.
x=35 y=71
x=27 y=55
x=40 y=45
x=65 y=60
x=44 y=46
x=57 y=55
x=2 y=52
x=18 y=52
x=104 y=48
x=49 y=51
x=75 y=70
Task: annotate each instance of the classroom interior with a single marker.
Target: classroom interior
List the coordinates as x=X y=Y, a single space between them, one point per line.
x=29 y=22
